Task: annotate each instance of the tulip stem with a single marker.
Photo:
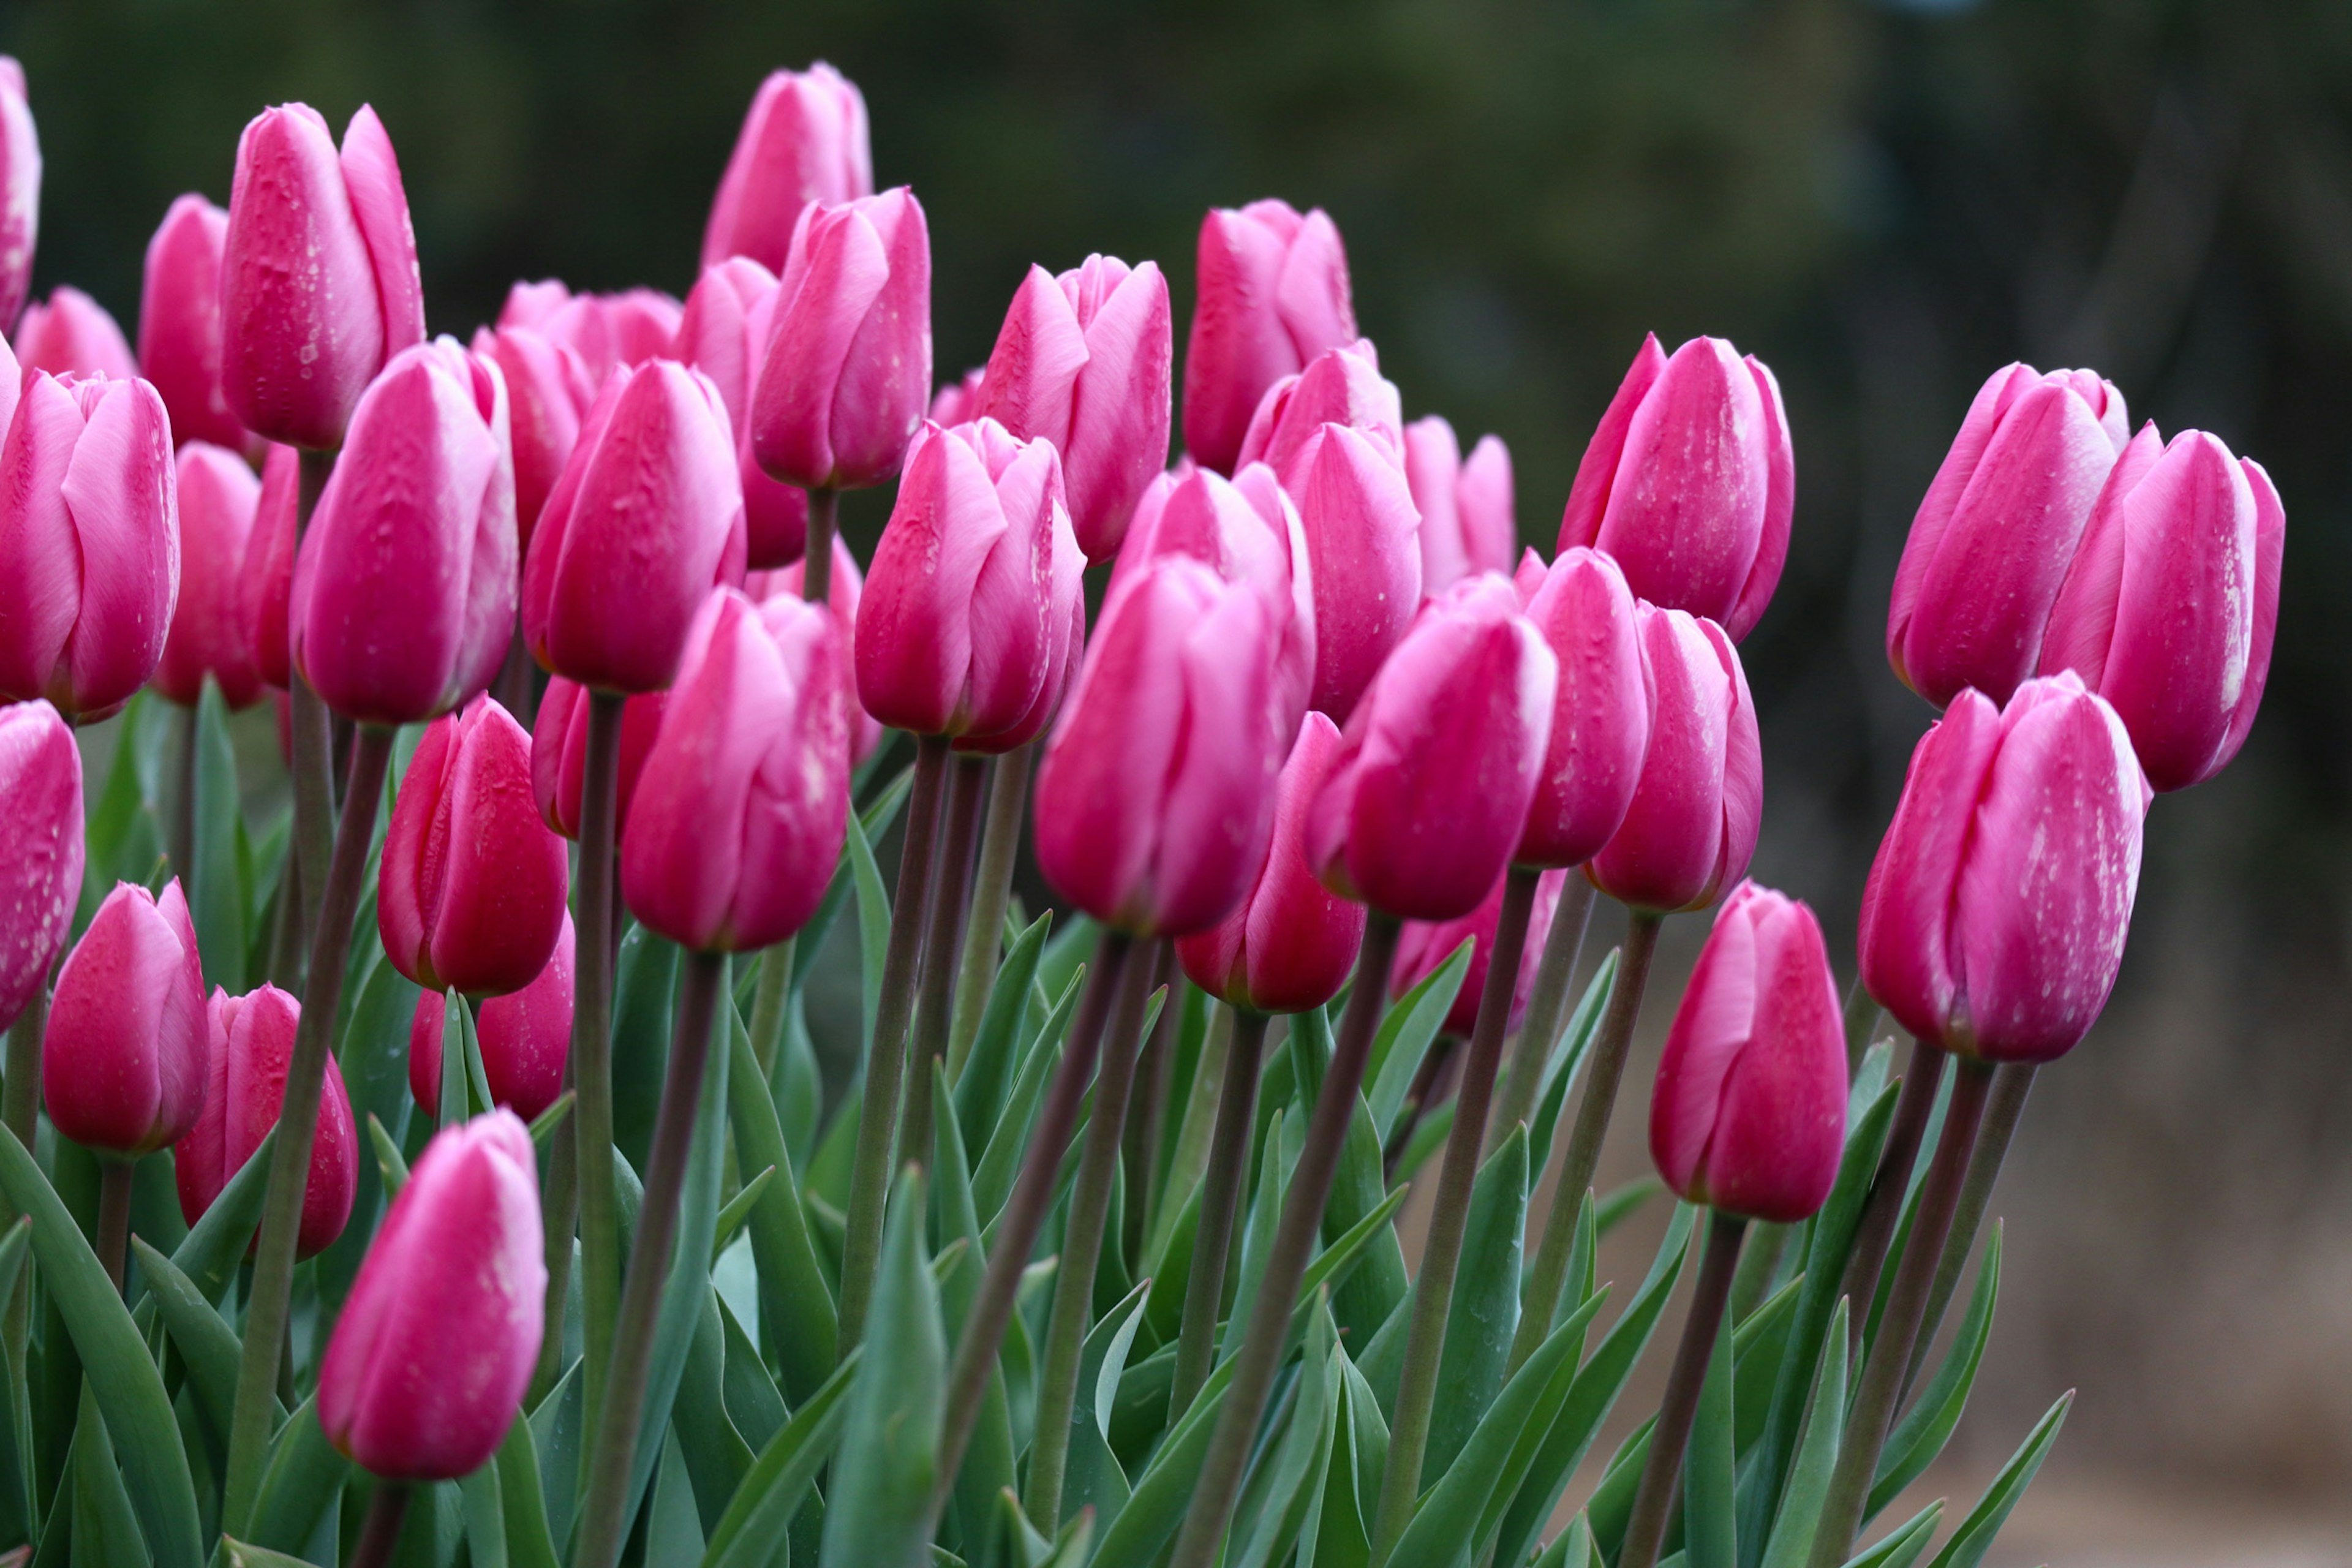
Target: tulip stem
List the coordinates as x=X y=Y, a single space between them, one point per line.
x=770 y=1000
x=1266 y=1339
x=1645 y=1526
x=312 y=745
x=967 y=787
x=1082 y=1239
x=182 y=850
x=515 y=688
x=1000 y=849
x=297 y=1128
x=592 y=1049
x=1220 y=1190
x=1890 y=1351
x=558 y=1215
x=886 y=1060
x=2011 y=1085
x=114 y=1175
x=603 y=1517
x=816 y=560
x=1882 y=1209
x=1515 y=1101
x=1147 y=1106
x=20 y=1109
x=381 y=1532
x=1441 y=1256
x=1581 y=1155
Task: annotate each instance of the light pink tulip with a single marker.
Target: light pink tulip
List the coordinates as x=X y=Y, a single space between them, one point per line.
x=1341 y=386
x=1273 y=294
x=549 y=394
x=804 y=141
x=218 y=499
x=1600 y=715
x=180 y=325
x=525 y=1037
x=1423 y=946
x=41 y=847
x=122 y=1064
x=1362 y=535
x=1466 y=525
x=73 y=334
x=844 y=594
x=608 y=331
x=20 y=189
x=957 y=402
x=251 y=1047
x=722 y=333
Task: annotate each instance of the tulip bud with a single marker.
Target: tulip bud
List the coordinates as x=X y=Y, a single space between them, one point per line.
x=122 y=1065
x=429 y=1358
x=1690 y=482
x=1994 y=919
x=1600 y=715
x=73 y=334
x=525 y=1036
x=847 y=373
x=647 y=518
x=319 y=282
x=966 y=623
x=180 y=325
x=548 y=394
x=41 y=847
x=218 y=495
x=843 y=593
x=1273 y=294
x=2169 y=609
x=90 y=542
x=1691 y=826
x=2000 y=524
x=267 y=573
x=804 y=141
x=252 y=1045
x=1423 y=946
x=1340 y=387
x=1156 y=796
x=1467 y=526
x=608 y=331
x=471 y=893
x=404 y=594
x=1362 y=535
x=1289 y=945
x=20 y=189
x=957 y=402
x=558 y=751
x=724 y=329
x=1749 y=1114
x=1084 y=362
x=743 y=803
x=1439 y=761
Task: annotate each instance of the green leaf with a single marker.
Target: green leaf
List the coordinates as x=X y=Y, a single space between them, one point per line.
x=216 y=892
x=1406 y=1030
x=555 y=1437
x=374 y=1058
x=1611 y=1503
x=1974 y=1538
x=486 y=1517
x=1001 y=1157
x=673 y=1533
x=244 y=1555
x=1374 y=1293
x=1618 y=1205
x=712 y=1451
x=1907 y=1545
x=645 y=988
x=752 y=1402
x=391 y=1165
x=1574 y=1549
x=1710 y=1513
x=988 y=1067
x=873 y=925
x=105 y=1530
x=216 y=1243
x=208 y=1347
x=876 y=1512
x=1484 y=1313
x=1257 y=1233
x=1800 y=1518
x=1094 y=1477
x=542 y=1126
x=300 y=1483
x=794 y=1299
x=456 y=1091
x=1293 y=1471
x=522 y=1500
x=876 y=820
x=1922 y=1433
x=1428 y=1136
x=737 y=1210
x=1567 y=1056
x=988 y=1465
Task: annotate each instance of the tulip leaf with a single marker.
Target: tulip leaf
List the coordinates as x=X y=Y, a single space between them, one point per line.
x=208 y=1347
x=1404 y=1037
x=1566 y=1058
x=1000 y=1159
x=1484 y=1310
x=391 y=1164
x=542 y=1126
x=216 y=1243
x=795 y=1302
x=456 y=1078
x=1758 y=1346
x=1574 y=1549
x=877 y=1510
x=736 y=1211
x=105 y=1529
x=988 y=1464
x=478 y=1496
x=215 y=889
x=1428 y=1136
x=873 y=925
x=1188 y=1145
x=1293 y=1470
x=1906 y=1544
x=875 y=820
x=673 y=1533
x=245 y=1554
x=300 y=1481
x=374 y=1062
x=1710 y=1521
x=986 y=1072
x=1799 y=1520
x=522 y=1501
x=1922 y=1433
x=645 y=984
x=1374 y=1291
x=752 y=1402
x=1974 y=1537
x=712 y=1451
x=555 y=1437
x=1095 y=1479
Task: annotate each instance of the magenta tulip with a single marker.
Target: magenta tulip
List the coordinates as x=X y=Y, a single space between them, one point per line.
x=548 y=394
x=20 y=189
x=122 y=1065
x=844 y=594
x=608 y=331
x=804 y=141
x=267 y=589
x=73 y=334
x=1749 y=1114
x=1423 y=946
x=743 y=801
x=180 y=325
x=1341 y=386
x=252 y=1045
x=429 y=1358
x=957 y=402
x=41 y=847
x=218 y=498
x=525 y=1037
x=1601 y=713
x=722 y=333
x=1363 y=534
x=558 y=751
x=1466 y=525
x=1273 y=294
x=1994 y=919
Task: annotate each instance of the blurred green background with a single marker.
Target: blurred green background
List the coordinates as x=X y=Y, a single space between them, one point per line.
x=1885 y=201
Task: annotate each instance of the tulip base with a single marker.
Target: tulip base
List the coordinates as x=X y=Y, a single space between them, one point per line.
x=816 y=556
x=379 y=1532
x=1546 y=1008
x=1645 y=1526
x=1220 y=1186
x=999 y=849
x=114 y=1182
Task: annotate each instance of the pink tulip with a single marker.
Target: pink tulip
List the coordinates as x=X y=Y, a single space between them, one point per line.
x=319 y=283
x=1156 y=796
x=957 y=402
x=847 y=373
x=89 y=541
x=1341 y=386
x=1288 y=946
x=473 y=884
x=1999 y=527
x=267 y=588
x=1273 y=294
x=804 y=141
x=1084 y=362
x=252 y=1045
x=20 y=189
x=122 y=1065
x=525 y=1036
x=404 y=596
x=1362 y=536
x=1600 y=715
x=1466 y=524
x=608 y=331
x=1423 y=946
x=744 y=800
x=2169 y=609
x=429 y=1361
x=1439 y=761
x=843 y=597
x=1995 y=915
x=722 y=333
x=218 y=495
x=558 y=751
x=41 y=847
x=967 y=621
x=180 y=325
x=1691 y=826
x=549 y=394
x=647 y=518
x=73 y=334
x=1749 y=1114
x=1690 y=482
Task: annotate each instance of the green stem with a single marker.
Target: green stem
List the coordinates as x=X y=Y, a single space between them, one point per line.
x=381 y=1532
x=1220 y=1190
x=886 y=1061
x=114 y=1215
x=1758 y=1263
x=297 y=1128
x=1266 y=1339
x=967 y=787
x=1441 y=1255
x=559 y=1214
x=999 y=849
x=770 y=1000
x=20 y=1108
x=1645 y=1527
x=1581 y=1155
x=1882 y=1209
x=2011 y=1085
x=590 y=1062
x=817 y=564
x=603 y=1514
x=1147 y=1106
x=1546 y=1007
x=313 y=748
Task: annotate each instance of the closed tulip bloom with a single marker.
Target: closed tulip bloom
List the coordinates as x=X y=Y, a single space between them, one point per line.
x=436 y=1343
x=122 y=1065
x=41 y=847
x=20 y=189
x=965 y=625
x=1690 y=482
x=319 y=282
x=844 y=594
x=1362 y=535
x=1156 y=796
x=1290 y=944
x=252 y=1045
x=847 y=373
x=1466 y=525
x=1600 y=712
x=558 y=751
x=645 y=520
x=548 y=394
x=267 y=587
x=404 y=594
x=1423 y=946
x=2000 y=523
x=743 y=803
x=180 y=325
x=1341 y=386
x=1273 y=294
x=2170 y=607
x=608 y=331
x=804 y=141
x=525 y=1036
x=722 y=335
x=1749 y=1114
x=1439 y=761
x=73 y=334
x=90 y=541
x=957 y=402
x=1994 y=919
x=1084 y=360
x=473 y=884
x=1691 y=826
x=219 y=496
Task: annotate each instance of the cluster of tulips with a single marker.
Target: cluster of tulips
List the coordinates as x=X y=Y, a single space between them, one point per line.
x=1096 y=1261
